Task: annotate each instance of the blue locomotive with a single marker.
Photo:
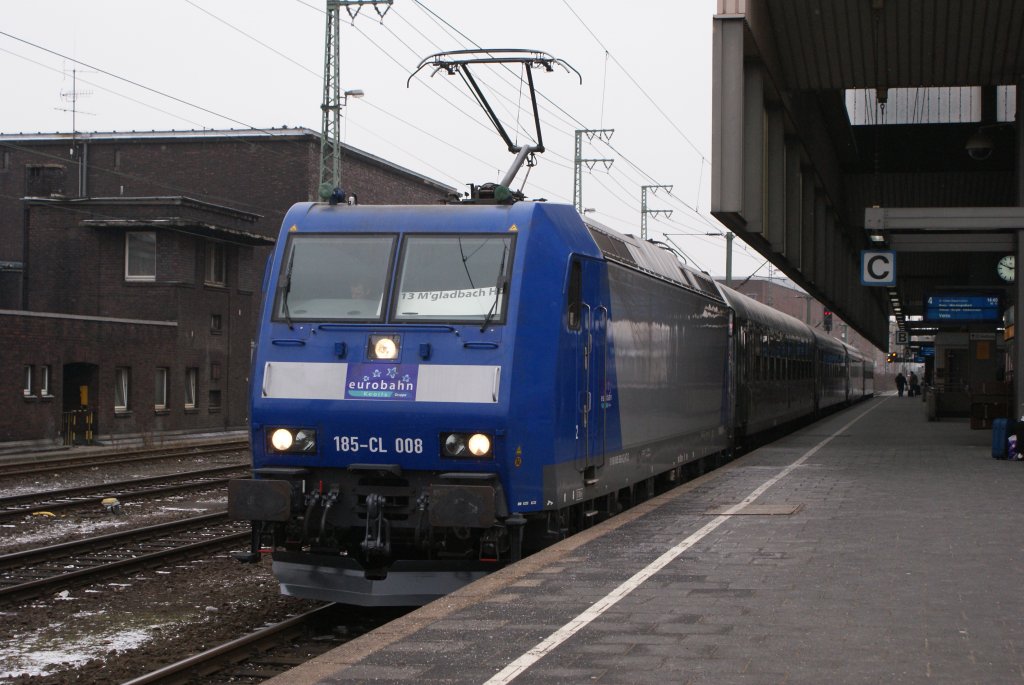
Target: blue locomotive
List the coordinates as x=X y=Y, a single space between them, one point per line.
x=439 y=390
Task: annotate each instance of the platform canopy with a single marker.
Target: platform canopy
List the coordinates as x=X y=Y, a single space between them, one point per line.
x=848 y=125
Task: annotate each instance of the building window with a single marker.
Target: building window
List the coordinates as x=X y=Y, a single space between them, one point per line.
x=191 y=376
x=214 y=371
x=44 y=386
x=215 y=324
x=122 y=384
x=215 y=399
x=140 y=256
x=26 y=386
x=160 y=399
x=216 y=263
x=5 y=161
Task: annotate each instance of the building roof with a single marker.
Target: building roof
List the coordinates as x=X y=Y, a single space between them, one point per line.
x=283 y=133
x=190 y=225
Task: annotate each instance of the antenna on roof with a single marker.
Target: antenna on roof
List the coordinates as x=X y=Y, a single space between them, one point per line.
x=71 y=96
x=458 y=62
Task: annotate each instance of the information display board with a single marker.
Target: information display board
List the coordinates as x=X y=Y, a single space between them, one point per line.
x=962 y=307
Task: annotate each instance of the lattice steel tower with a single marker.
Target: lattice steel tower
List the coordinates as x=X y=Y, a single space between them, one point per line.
x=334 y=99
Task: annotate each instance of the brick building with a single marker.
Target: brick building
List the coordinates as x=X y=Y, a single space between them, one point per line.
x=130 y=268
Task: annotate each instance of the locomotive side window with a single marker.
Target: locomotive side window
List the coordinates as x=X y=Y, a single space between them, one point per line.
x=575 y=296
x=454 y=278
x=334 y=278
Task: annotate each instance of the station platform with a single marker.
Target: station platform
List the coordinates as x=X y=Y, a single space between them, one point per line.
x=873 y=546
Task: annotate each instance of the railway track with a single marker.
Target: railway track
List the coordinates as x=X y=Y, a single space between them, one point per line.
x=272 y=650
x=44 y=570
x=45 y=466
x=19 y=505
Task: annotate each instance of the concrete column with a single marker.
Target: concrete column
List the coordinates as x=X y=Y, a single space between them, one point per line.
x=1018 y=290
x=753 y=148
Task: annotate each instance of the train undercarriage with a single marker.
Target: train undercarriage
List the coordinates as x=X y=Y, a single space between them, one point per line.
x=374 y=536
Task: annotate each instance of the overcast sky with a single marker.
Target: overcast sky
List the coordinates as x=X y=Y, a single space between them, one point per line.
x=194 y=64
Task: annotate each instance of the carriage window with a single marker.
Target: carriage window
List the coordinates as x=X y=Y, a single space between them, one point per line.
x=451 y=278
x=575 y=296
x=334 y=278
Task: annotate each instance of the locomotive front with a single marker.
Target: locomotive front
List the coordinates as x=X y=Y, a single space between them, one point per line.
x=379 y=402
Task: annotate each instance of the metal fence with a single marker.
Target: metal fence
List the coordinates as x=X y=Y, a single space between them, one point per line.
x=76 y=426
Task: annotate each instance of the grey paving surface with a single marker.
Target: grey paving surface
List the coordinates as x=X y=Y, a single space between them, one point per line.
x=901 y=564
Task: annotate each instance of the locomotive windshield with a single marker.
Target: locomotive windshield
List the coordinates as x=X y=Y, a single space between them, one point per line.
x=454 y=278
x=334 y=278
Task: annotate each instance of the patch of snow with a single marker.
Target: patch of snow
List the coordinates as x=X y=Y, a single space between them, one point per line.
x=56 y=528
x=39 y=653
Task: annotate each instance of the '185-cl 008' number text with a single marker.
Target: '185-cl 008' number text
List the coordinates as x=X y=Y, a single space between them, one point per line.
x=376 y=445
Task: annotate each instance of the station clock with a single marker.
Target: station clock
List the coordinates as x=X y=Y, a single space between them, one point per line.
x=1005 y=268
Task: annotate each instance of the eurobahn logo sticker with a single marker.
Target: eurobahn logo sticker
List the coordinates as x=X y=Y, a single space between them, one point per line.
x=381 y=382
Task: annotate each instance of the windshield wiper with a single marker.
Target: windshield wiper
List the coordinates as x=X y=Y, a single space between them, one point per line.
x=465 y=259
x=288 y=288
x=498 y=288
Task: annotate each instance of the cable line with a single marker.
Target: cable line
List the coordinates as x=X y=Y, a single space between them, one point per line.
x=635 y=82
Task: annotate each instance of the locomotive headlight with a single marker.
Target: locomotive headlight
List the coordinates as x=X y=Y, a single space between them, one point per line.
x=383 y=347
x=305 y=440
x=479 y=445
x=466 y=445
x=282 y=439
x=455 y=445
x=292 y=440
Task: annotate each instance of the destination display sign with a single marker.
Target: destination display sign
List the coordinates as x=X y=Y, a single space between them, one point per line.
x=962 y=307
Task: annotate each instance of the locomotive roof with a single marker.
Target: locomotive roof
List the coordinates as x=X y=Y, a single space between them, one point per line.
x=645 y=256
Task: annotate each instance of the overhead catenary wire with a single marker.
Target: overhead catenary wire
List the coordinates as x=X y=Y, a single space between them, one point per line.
x=367 y=102
x=406 y=39
x=462 y=93
x=103 y=88
x=200 y=107
x=142 y=86
x=190 y=104
x=247 y=127
x=635 y=82
x=182 y=100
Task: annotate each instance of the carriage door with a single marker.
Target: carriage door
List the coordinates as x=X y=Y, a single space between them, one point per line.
x=590 y=323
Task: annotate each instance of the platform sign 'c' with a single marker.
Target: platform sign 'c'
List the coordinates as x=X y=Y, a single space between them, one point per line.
x=878 y=267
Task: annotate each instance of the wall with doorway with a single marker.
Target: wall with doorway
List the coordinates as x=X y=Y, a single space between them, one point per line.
x=48 y=360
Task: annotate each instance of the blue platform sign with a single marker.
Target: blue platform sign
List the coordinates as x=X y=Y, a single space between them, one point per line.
x=878 y=267
x=962 y=307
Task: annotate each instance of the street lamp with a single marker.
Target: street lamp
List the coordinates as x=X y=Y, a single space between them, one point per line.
x=330 y=144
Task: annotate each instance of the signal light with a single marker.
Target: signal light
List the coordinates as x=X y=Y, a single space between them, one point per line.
x=826 y=322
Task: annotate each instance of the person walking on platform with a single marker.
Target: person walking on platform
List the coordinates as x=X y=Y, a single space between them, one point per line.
x=915 y=385
x=901 y=382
